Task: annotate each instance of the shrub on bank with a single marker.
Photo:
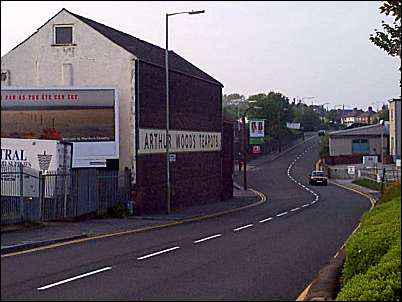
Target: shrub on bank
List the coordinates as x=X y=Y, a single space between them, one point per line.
x=382 y=282
x=391 y=191
x=372 y=270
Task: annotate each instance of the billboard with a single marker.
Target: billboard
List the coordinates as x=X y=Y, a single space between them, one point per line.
x=86 y=117
x=257 y=132
x=293 y=125
x=68 y=115
x=256 y=128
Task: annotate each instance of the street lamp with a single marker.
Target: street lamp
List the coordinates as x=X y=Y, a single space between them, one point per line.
x=244 y=145
x=167 y=103
x=382 y=142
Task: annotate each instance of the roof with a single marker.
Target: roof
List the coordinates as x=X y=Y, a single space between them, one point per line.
x=365 y=130
x=145 y=51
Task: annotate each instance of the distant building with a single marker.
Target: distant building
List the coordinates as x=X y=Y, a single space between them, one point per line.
x=358 y=116
x=395 y=128
x=352 y=144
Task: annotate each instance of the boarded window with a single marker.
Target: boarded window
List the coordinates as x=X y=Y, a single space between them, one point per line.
x=63 y=35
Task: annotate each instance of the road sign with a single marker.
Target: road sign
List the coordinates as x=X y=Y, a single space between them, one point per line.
x=172 y=157
x=351 y=170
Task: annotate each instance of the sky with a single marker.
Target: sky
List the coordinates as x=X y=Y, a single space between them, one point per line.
x=316 y=49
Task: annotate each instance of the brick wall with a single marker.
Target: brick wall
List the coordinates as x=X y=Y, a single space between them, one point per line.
x=196 y=177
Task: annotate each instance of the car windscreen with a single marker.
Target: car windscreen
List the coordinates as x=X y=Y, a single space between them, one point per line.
x=320 y=174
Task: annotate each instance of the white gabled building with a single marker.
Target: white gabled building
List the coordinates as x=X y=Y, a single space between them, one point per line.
x=66 y=51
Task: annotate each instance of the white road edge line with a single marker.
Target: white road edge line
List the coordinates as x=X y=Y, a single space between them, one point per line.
x=158 y=253
x=75 y=278
x=265 y=220
x=295 y=209
x=281 y=214
x=208 y=238
x=305 y=205
x=243 y=227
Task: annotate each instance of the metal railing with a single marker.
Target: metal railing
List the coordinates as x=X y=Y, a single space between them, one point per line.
x=29 y=195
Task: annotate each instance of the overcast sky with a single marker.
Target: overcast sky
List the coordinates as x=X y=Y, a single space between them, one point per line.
x=303 y=49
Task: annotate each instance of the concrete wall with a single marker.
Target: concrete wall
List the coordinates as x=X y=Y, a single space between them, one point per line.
x=92 y=61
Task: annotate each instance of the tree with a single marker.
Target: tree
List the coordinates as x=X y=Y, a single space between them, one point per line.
x=308 y=118
x=334 y=116
x=276 y=111
x=233 y=105
x=390 y=39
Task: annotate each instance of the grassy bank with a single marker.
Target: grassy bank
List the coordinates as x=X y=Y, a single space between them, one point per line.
x=368 y=183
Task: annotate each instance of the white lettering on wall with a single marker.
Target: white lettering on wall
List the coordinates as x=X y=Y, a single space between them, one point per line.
x=153 y=141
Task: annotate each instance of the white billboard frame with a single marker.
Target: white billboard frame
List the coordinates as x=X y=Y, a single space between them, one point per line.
x=81 y=157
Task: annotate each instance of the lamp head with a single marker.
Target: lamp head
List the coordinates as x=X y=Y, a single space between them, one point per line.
x=196 y=12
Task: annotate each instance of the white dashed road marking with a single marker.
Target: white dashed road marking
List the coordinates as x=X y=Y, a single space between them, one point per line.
x=265 y=220
x=242 y=227
x=158 y=253
x=281 y=214
x=75 y=278
x=208 y=238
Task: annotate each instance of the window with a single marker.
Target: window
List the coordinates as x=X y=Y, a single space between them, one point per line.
x=63 y=34
x=360 y=146
x=5 y=77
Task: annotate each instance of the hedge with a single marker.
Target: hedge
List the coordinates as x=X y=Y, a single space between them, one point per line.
x=372 y=270
x=382 y=282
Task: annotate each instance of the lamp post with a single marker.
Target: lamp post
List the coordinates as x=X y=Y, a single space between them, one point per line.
x=382 y=142
x=245 y=146
x=167 y=140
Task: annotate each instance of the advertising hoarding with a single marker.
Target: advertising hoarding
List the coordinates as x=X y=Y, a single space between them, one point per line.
x=293 y=125
x=86 y=117
x=257 y=132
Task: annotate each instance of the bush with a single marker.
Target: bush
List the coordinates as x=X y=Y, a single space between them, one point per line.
x=391 y=191
x=380 y=228
x=372 y=270
x=118 y=211
x=324 y=146
x=382 y=282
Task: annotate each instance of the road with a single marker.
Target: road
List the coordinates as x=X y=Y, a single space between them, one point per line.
x=269 y=252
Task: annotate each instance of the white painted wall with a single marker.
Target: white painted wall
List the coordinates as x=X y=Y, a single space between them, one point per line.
x=94 y=61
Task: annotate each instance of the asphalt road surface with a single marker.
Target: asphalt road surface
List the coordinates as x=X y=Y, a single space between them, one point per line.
x=269 y=252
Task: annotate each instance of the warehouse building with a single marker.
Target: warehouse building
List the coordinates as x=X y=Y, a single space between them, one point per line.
x=349 y=146
x=77 y=55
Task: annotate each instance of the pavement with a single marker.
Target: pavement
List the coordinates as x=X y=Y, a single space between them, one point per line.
x=16 y=238
x=375 y=195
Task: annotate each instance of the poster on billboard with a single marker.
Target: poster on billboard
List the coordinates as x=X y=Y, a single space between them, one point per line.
x=86 y=117
x=68 y=115
x=256 y=128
